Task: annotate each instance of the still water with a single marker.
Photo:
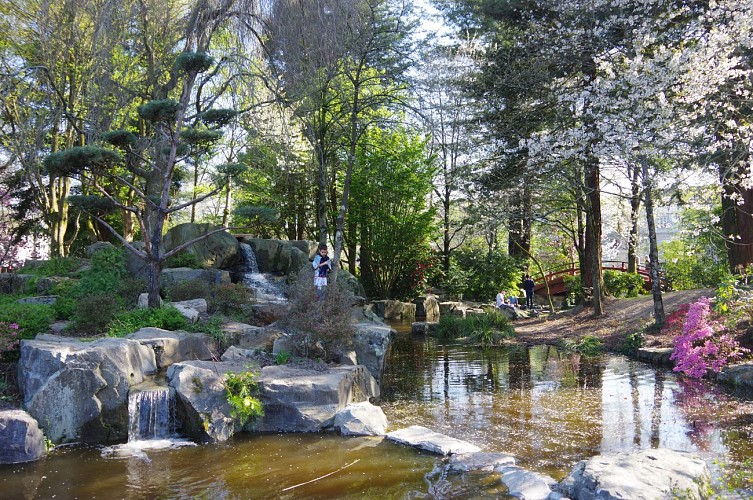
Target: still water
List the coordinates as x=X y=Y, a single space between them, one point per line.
x=547 y=408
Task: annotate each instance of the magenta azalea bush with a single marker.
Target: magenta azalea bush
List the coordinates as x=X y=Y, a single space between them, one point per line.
x=10 y=336
x=704 y=343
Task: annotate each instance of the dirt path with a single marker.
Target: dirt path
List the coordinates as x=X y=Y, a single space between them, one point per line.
x=621 y=317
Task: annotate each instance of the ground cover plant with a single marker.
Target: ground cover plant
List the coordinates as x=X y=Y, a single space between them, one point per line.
x=488 y=329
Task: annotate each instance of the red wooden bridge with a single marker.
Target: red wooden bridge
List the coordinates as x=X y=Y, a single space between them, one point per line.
x=556 y=278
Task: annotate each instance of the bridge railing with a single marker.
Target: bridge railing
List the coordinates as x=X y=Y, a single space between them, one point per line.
x=573 y=269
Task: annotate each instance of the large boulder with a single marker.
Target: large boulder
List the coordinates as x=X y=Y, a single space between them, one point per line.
x=135 y=265
x=301 y=400
x=173 y=347
x=371 y=344
x=653 y=473
x=277 y=256
x=14 y=283
x=739 y=375
x=78 y=391
x=361 y=419
x=174 y=275
x=218 y=251
x=202 y=404
x=21 y=439
x=395 y=310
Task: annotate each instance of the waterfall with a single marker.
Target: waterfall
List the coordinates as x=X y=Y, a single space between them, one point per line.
x=151 y=414
x=264 y=289
x=248 y=257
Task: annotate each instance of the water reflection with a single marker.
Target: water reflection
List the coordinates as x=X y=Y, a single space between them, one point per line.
x=551 y=409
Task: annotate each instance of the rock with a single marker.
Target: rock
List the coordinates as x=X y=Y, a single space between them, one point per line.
x=277 y=256
x=199 y=305
x=371 y=344
x=370 y=314
x=143 y=301
x=352 y=284
x=217 y=251
x=361 y=419
x=282 y=344
x=650 y=474
x=21 y=439
x=14 y=283
x=394 y=309
x=202 y=404
x=348 y=358
x=481 y=461
x=425 y=439
x=525 y=484
x=173 y=347
x=192 y=315
x=424 y=327
x=233 y=353
x=47 y=284
x=256 y=337
x=180 y=274
x=46 y=300
x=457 y=308
x=739 y=375
x=135 y=265
x=431 y=306
x=96 y=247
x=78 y=391
x=656 y=355
x=300 y=400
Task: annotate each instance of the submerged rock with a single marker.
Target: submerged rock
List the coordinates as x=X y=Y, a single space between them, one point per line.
x=426 y=439
x=21 y=439
x=645 y=474
x=525 y=484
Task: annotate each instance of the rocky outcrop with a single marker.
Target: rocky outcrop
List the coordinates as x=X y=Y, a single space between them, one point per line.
x=217 y=251
x=277 y=256
x=654 y=473
x=202 y=404
x=394 y=309
x=21 y=439
x=738 y=375
x=428 y=440
x=181 y=274
x=371 y=344
x=78 y=391
x=361 y=419
x=173 y=347
x=299 y=400
x=427 y=308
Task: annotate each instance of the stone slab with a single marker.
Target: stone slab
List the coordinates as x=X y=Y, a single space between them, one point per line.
x=425 y=439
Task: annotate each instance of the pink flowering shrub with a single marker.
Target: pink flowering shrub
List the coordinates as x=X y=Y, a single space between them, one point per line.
x=704 y=343
x=10 y=336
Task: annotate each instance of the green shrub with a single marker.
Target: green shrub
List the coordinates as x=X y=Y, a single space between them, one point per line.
x=588 y=345
x=686 y=267
x=319 y=324
x=230 y=298
x=488 y=329
x=56 y=266
x=240 y=391
x=32 y=318
x=184 y=259
x=188 y=290
x=478 y=274
x=574 y=289
x=632 y=343
x=620 y=284
x=93 y=313
x=282 y=357
x=167 y=318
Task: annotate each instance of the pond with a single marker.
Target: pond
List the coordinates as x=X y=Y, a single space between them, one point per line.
x=551 y=409
x=548 y=408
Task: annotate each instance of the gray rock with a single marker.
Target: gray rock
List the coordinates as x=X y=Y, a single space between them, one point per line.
x=180 y=274
x=482 y=461
x=394 y=309
x=424 y=327
x=234 y=353
x=434 y=442
x=450 y=307
x=135 y=265
x=299 y=400
x=192 y=315
x=202 y=403
x=371 y=344
x=431 y=306
x=47 y=300
x=277 y=256
x=78 y=391
x=361 y=419
x=282 y=344
x=740 y=375
x=14 y=283
x=46 y=284
x=217 y=251
x=21 y=439
x=173 y=347
x=199 y=305
x=143 y=301
x=525 y=484
x=645 y=474
x=255 y=337
x=655 y=355
x=96 y=247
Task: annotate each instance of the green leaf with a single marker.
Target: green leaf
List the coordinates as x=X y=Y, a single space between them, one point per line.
x=163 y=110
x=193 y=62
x=74 y=160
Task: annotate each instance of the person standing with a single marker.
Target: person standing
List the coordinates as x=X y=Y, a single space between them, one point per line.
x=322 y=265
x=528 y=286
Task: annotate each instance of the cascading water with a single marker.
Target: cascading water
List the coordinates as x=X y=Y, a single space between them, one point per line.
x=264 y=289
x=151 y=415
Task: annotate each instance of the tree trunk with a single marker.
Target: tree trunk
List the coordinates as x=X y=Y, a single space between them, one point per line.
x=593 y=277
x=519 y=224
x=635 y=204
x=321 y=193
x=653 y=253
